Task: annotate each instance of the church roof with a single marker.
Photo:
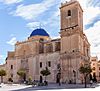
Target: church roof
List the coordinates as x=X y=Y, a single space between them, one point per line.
x=40 y=32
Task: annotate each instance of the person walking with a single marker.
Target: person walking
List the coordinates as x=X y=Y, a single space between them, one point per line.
x=91 y=82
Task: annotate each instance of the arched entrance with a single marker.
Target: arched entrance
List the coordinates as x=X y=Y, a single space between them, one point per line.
x=24 y=78
x=41 y=79
x=58 y=77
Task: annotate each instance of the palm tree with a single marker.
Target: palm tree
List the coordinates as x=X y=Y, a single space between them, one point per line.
x=22 y=74
x=85 y=70
x=2 y=73
x=45 y=72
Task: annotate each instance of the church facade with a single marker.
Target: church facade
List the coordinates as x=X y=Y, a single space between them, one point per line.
x=62 y=56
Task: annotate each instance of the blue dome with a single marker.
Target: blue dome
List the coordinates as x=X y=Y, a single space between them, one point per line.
x=40 y=32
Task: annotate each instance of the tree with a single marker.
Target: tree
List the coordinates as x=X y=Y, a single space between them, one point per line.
x=30 y=80
x=45 y=72
x=85 y=70
x=2 y=73
x=22 y=74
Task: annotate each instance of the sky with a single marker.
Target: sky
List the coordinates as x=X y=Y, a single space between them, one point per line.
x=18 y=18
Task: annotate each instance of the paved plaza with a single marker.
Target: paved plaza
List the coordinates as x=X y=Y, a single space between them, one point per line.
x=55 y=87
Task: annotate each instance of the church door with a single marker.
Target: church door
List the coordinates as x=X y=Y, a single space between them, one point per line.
x=41 y=79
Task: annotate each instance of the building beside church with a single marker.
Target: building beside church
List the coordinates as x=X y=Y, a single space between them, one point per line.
x=65 y=54
x=95 y=65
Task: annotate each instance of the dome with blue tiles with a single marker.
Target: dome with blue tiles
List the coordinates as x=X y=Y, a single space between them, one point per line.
x=39 y=32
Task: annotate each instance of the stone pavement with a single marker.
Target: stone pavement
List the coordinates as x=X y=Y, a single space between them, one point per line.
x=22 y=87
x=12 y=87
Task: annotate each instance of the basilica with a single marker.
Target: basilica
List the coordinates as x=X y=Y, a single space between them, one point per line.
x=62 y=55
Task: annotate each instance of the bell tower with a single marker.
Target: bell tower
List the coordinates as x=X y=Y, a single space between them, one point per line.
x=71 y=15
x=71 y=24
x=74 y=44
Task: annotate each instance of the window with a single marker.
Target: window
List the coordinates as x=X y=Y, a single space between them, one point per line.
x=69 y=12
x=40 y=64
x=49 y=48
x=11 y=75
x=93 y=68
x=49 y=64
x=41 y=39
x=41 y=48
x=99 y=68
x=87 y=52
x=93 y=60
x=99 y=74
x=11 y=66
x=57 y=46
x=93 y=63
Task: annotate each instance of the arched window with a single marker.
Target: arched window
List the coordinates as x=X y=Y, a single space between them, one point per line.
x=57 y=46
x=69 y=12
x=41 y=39
x=41 y=48
x=11 y=66
x=40 y=64
x=93 y=68
x=49 y=63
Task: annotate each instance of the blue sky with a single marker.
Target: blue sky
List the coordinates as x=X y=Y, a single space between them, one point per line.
x=18 y=18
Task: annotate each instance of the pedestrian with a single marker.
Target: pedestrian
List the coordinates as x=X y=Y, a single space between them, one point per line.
x=91 y=82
